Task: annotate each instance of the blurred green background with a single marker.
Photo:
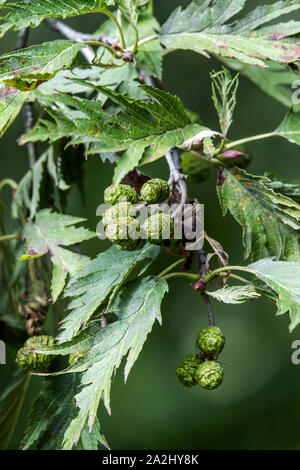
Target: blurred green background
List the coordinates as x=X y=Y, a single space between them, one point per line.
x=258 y=405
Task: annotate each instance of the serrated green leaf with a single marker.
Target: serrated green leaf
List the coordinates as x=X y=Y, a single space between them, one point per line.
x=130 y=9
x=290 y=189
x=276 y=81
x=24 y=14
x=234 y=294
x=146 y=129
x=11 y=102
x=27 y=194
x=45 y=235
x=9 y=401
x=270 y=221
x=290 y=127
x=137 y=307
x=24 y=68
x=224 y=90
x=203 y=28
x=284 y=278
x=100 y=280
x=52 y=412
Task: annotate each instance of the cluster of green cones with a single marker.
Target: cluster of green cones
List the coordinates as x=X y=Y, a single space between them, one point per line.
x=202 y=368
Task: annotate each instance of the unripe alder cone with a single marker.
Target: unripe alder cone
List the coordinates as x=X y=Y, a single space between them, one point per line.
x=209 y=375
x=124 y=233
x=155 y=191
x=186 y=371
x=210 y=341
x=120 y=192
x=158 y=227
x=119 y=210
x=29 y=360
x=195 y=167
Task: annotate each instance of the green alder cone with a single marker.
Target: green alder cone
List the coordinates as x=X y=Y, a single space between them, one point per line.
x=29 y=360
x=209 y=375
x=186 y=371
x=120 y=192
x=123 y=232
x=158 y=227
x=119 y=210
x=211 y=341
x=195 y=167
x=155 y=191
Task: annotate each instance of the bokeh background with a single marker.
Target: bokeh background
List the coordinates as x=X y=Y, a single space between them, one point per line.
x=258 y=405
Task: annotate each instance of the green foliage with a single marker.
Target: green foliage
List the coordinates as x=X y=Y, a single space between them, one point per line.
x=21 y=15
x=290 y=127
x=28 y=193
x=144 y=129
x=270 y=221
x=11 y=102
x=45 y=235
x=25 y=68
x=105 y=106
x=235 y=294
x=283 y=278
x=99 y=281
x=10 y=400
x=276 y=81
x=224 y=90
x=246 y=40
x=51 y=414
x=136 y=306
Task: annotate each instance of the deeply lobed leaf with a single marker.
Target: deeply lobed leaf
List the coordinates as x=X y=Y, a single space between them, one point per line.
x=31 y=14
x=270 y=220
x=202 y=27
x=45 y=234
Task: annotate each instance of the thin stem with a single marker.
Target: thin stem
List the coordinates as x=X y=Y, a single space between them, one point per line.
x=210 y=312
x=216 y=272
x=18 y=409
x=135 y=46
x=170 y=268
x=144 y=41
x=114 y=19
x=250 y=139
x=11 y=236
x=9 y=182
x=191 y=277
x=238 y=278
x=94 y=42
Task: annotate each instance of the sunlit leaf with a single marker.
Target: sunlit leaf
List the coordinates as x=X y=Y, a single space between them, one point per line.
x=284 y=278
